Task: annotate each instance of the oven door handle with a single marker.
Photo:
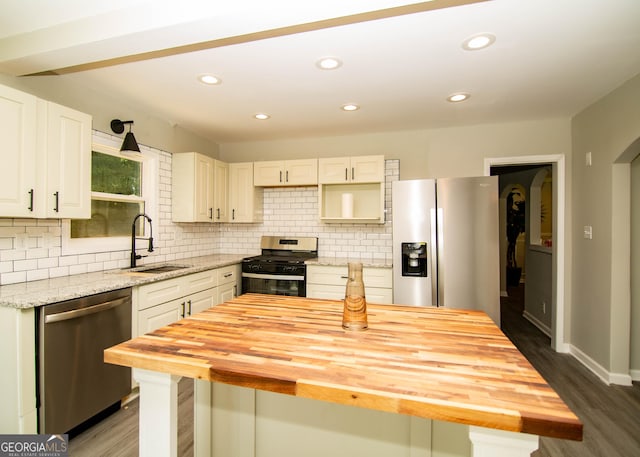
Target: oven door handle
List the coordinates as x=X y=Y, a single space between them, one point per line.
x=271 y=276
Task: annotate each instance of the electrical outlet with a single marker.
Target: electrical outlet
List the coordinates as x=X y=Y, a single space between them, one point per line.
x=544 y=307
x=588 y=232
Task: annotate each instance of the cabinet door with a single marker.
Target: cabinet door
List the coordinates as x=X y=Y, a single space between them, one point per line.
x=68 y=163
x=204 y=189
x=221 y=183
x=17 y=152
x=334 y=170
x=202 y=300
x=245 y=200
x=160 y=315
x=192 y=187
x=227 y=292
x=270 y=173
x=301 y=172
x=367 y=169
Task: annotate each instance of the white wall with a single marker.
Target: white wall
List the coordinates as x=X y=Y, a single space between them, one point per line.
x=600 y=283
x=448 y=152
x=635 y=268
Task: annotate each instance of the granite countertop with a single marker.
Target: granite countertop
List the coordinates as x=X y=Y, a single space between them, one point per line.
x=46 y=291
x=343 y=261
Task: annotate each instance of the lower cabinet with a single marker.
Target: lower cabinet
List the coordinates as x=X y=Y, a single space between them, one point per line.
x=328 y=281
x=164 y=302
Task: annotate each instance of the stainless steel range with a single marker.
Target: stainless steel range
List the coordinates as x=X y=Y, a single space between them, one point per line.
x=280 y=269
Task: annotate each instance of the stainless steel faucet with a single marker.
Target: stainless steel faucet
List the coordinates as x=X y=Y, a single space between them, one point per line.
x=135 y=256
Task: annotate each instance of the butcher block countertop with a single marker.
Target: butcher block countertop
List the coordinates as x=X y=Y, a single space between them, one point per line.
x=449 y=365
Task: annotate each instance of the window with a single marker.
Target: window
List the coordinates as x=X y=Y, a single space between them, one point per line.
x=121 y=188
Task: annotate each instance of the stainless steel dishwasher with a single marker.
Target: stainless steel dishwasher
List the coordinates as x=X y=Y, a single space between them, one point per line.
x=74 y=383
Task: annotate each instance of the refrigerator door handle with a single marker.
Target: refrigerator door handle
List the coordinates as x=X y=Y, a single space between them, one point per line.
x=441 y=255
x=433 y=254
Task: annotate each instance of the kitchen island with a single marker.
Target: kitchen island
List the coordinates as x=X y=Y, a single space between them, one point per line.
x=421 y=364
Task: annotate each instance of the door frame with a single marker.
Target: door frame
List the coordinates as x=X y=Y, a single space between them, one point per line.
x=560 y=316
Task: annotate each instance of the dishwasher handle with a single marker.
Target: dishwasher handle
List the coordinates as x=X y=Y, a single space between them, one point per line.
x=75 y=313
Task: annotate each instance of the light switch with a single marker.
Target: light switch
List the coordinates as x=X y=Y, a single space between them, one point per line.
x=587 y=159
x=588 y=232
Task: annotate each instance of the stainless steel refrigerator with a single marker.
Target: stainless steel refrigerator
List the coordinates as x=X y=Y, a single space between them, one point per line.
x=445 y=243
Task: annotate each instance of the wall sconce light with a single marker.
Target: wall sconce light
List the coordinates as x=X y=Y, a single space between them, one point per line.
x=129 y=145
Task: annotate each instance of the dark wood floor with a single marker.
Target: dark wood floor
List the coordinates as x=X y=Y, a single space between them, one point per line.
x=611 y=414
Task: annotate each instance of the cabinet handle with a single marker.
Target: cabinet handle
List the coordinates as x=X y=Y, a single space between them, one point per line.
x=287 y=174
x=210 y=213
x=233 y=214
x=57 y=197
x=346 y=174
x=218 y=213
x=344 y=277
x=182 y=305
x=226 y=275
x=189 y=307
x=30 y=207
x=353 y=173
x=280 y=175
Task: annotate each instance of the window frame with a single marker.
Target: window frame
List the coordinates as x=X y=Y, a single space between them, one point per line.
x=149 y=160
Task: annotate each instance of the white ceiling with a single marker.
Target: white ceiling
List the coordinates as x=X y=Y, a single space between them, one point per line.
x=551 y=58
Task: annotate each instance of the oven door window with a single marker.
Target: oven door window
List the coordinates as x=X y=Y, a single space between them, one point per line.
x=274 y=286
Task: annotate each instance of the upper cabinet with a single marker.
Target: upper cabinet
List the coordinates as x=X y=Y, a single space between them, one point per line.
x=245 y=200
x=199 y=188
x=68 y=163
x=358 y=169
x=351 y=189
x=46 y=158
x=220 y=186
x=302 y=172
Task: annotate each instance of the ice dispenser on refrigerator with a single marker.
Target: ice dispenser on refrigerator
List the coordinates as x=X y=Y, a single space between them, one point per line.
x=414 y=259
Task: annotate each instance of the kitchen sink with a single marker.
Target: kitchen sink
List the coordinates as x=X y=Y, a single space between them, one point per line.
x=153 y=269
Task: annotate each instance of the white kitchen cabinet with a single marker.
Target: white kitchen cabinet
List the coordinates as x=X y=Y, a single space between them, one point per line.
x=329 y=281
x=303 y=172
x=198 y=188
x=362 y=179
x=161 y=303
x=18 y=152
x=245 y=199
x=46 y=157
x=229 y=280
x=67 y=163
x=18 y=414
x=220 y=189
x=358 y=169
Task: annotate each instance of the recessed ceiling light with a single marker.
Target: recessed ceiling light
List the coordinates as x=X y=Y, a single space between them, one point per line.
x=479 y=41
x=262 y=116
x=210 y=80
x=350 y=107
x=328 y=63
x=458 y=97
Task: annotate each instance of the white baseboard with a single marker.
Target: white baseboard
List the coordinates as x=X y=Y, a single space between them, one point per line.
x=537 y=322
x=607 y=377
